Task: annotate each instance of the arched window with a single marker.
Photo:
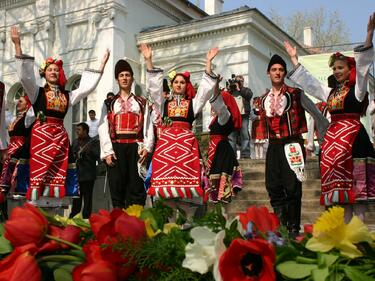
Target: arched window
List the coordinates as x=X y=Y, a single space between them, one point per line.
x=79 y=110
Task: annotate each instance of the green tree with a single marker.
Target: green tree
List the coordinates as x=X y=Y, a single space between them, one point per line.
x=328 y=27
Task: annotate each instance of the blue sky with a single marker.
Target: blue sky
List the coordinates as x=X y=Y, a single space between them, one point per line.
x=355 y=13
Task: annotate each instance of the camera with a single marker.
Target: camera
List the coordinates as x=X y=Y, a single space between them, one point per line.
x=231 y=84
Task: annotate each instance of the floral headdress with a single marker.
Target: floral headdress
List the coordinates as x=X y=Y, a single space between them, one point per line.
x=59 y=63
x=349 y=60
x=190 y=92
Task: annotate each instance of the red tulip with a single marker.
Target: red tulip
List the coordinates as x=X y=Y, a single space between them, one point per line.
x=26 y=225
x=70 y=233
x=98 y=220
x=96 y=271
x=20 y=265
x=262 y=219
x=308 y=228
x=248 y=260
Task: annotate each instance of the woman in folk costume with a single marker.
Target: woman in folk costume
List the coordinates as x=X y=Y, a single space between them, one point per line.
x=348 y=157
x=49 y=139
x=18 y=134
x=176 y=165
x=225 y=176
x=256 y=130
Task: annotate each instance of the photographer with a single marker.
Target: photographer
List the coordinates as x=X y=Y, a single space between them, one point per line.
x=243 y=96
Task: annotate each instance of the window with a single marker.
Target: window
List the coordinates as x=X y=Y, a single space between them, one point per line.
x=79 y=110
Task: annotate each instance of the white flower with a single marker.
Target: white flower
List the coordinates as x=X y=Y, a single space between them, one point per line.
x=203 y=253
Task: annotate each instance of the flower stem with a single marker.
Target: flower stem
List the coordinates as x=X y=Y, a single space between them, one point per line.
x=300 y=259
x=64 y=242
x=57 y=258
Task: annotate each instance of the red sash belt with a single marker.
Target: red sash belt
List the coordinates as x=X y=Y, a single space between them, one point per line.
x=345 y=116
x=181 y=124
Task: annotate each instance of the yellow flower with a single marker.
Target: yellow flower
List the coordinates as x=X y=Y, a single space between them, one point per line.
x=330 y=231
x=134 y=210
x=172 y=74
x=168 y=227
x=149 y=230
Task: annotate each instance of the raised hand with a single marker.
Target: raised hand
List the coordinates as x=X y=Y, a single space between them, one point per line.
x=370 y=30
x=105 y=59
x=15 y=35
x=292 y=52
x=146 y=51
x=211 y=54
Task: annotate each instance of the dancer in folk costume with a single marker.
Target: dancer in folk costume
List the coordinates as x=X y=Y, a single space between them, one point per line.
x=19 y=135
x=124 y=140
x=282 y=119
x=176 y=165
x=223 y=171
x=257 y=133
x=49 y=139
x=348 y=157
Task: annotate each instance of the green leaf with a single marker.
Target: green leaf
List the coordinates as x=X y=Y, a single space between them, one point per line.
x=5 y=246
x=320 y=274
x=61 y=274
x=329 y=259
x=2 y=229
x=336 y=276
x=356 y=275
x=294 y=270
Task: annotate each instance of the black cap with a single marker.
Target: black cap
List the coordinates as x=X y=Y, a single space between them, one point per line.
x=122 y=65
x=276 y=59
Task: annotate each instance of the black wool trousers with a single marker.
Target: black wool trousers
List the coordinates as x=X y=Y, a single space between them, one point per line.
x=85 y=192
x=283 y=187
x=126 y=186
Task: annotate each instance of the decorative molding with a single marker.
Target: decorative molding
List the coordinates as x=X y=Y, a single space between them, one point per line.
x=10 y=4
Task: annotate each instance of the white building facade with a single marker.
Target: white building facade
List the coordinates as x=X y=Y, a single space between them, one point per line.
x=79 y=31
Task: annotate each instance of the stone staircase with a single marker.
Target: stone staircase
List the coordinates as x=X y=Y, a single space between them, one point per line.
x=254 y=192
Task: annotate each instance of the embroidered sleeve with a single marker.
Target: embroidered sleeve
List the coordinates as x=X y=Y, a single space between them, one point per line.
x=204 y=91
x=104 y=137
x=25 y=72
x=220 y=109
x=148 y=130
x=363 y=58
x=89 y=81
x=154 y=86
x=309 y=83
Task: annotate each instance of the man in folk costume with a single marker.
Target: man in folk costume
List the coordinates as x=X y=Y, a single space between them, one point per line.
x=282 y=117
x=49 y=139
x=121 y=140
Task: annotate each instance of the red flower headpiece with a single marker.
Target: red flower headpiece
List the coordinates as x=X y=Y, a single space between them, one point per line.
x=190 y=91
x=349 y=60
x=59 y=63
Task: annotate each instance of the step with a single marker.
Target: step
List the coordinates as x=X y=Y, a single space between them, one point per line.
x=259 y=184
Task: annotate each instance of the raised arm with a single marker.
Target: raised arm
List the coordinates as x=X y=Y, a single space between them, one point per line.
x=89 y=81
x=207 y=84
x=3 y=130
x=364 y=57
x=218 y=104
x=25 y=67
x=154 y=77
x=304 y=78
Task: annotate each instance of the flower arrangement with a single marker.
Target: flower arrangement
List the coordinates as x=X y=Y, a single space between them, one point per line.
x=140 y=244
